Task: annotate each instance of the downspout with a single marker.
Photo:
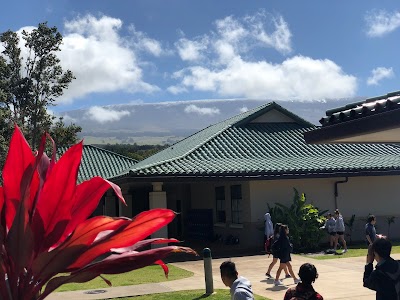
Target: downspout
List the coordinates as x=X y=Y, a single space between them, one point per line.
x=336 y=189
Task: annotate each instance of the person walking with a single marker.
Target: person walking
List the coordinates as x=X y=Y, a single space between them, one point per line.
x=329 y=226
x=339 y=229
x=304 y=289
x=285 y=248
x=385 y=279
x=269 y=228
x=275 y=254
x=240 y=287
x=370 y=231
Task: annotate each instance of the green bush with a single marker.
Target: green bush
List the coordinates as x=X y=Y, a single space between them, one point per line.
x=304 y=221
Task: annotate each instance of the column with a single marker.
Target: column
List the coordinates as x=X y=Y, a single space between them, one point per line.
x=126 y=210
x=158 y=199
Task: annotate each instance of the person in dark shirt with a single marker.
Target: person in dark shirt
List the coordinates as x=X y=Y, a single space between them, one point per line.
x=370 y=231
x=284 y=248
x=385 y=278
x=304 y=290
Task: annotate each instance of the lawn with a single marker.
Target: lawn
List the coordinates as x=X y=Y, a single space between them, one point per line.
x=186 y=295
x=354 y=251
x=150 y=274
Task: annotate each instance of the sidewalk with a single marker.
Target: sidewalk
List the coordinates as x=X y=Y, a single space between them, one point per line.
x=338 y=279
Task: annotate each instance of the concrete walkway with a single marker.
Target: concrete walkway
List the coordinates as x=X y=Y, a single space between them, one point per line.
x=338 y=279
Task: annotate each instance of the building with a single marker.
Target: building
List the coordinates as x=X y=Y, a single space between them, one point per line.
x=222 y=178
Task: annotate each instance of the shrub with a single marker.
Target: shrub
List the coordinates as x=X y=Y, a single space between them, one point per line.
x=304 y=221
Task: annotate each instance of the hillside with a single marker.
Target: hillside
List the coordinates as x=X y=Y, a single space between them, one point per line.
x=168 y=122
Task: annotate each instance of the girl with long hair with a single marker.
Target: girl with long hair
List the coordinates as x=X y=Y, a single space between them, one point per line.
x=285 y=248
x=275 y=254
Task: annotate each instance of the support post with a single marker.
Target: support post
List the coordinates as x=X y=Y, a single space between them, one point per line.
x=208 y=271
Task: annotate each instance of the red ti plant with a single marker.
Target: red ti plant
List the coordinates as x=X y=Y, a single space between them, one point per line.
x=45 y=230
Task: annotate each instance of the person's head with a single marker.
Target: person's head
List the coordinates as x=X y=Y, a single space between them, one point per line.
x=277 y=228
x=371 y=219
x=381 y=248
x=329 y=216
x=308 y=273
x=337 y=213
x=284 y=231
x=228 y=272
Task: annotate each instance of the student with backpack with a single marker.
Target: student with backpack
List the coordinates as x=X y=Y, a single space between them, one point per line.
x=285 y=248
x=385 y=279
x=304 y=290
x=275 y=254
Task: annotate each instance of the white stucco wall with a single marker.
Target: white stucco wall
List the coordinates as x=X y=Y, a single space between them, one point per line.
x=378 y=195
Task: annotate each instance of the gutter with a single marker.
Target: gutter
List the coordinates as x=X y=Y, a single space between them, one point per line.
x=336 y=189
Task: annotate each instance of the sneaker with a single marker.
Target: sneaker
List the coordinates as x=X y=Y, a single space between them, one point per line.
x=278 y=282
x=288 y=276
x=268 y=275
x=344 y=250
x=297 y=280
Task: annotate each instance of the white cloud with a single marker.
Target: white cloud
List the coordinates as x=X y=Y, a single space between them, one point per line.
x=243 y=109
x=298 y=77
x=381 y=22
x=143 y=43
x=233 y=71
x=68 y=119
x=176 y=89
x=210 y=111
x=101 y=59
x=236 y=36
x=379 y=74
x=191 y=50
x=106 y=114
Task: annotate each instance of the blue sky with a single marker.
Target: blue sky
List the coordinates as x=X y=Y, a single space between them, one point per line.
x=153 y=51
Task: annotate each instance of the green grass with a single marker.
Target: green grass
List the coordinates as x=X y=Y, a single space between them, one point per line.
x=188 y=295
x=150 y=274
x=354 y=251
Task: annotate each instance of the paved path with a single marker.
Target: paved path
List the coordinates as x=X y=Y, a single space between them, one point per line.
x=338 y=279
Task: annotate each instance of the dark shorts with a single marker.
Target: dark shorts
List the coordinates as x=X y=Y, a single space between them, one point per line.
x=333 y=233
x=285 y=260
x=275 y=255
x=340 y=232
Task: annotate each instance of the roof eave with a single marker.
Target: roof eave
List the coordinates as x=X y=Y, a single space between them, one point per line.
x=260 y=176
x=377 y=128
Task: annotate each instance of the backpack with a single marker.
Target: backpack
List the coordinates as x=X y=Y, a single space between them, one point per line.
x=395 y=278
x=276 y=247
x=309 y=295
x=268 y=245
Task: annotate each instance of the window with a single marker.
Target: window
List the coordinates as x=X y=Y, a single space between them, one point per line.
x=220 y=204
x=236 y=203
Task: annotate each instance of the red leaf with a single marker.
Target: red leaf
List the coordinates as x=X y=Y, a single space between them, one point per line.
x=144 y=243
x=56 y=261
x=86 y=199
x=54 y=205
x=143 y=225
x=19 y=157
x=1 y=199
x=115 y=264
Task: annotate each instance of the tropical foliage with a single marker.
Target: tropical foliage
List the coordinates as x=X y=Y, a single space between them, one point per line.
x=304 y=221
x=44 y=230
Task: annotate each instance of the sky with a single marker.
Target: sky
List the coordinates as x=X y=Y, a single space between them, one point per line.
x=152 y=51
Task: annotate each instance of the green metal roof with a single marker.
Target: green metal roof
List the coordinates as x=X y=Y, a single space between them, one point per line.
x=100 y=162
x=236 y=147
